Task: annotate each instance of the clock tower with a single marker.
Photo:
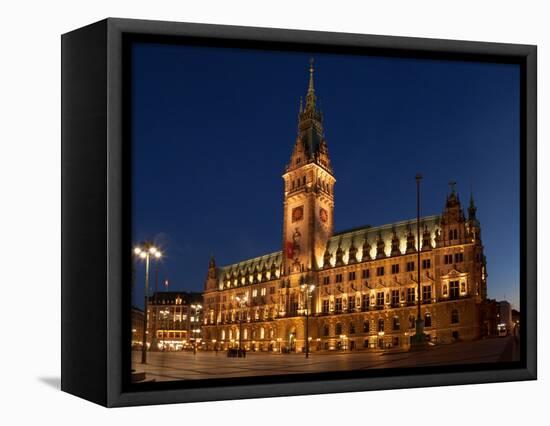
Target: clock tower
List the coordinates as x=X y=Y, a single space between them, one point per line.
x=308 y=192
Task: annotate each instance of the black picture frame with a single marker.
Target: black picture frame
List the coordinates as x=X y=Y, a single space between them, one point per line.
x=95 y=209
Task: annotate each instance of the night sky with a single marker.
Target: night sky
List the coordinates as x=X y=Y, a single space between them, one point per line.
x=213 y=129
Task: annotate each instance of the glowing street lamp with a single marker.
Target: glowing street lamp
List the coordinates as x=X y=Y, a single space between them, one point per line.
x=144 y=252
x=241 y=300
x=196 y=308
x=419 y=341
x=307 y=289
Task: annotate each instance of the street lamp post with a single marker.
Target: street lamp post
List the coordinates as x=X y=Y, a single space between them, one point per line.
x=307 y=289
x=241 y=300
x=145 y=251
x=196 y=309
x=419 y=338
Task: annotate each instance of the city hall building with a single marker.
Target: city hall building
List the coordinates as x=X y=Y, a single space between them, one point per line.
x=360 y=286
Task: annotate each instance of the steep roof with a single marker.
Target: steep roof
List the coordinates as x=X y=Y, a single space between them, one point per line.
x=272 y=261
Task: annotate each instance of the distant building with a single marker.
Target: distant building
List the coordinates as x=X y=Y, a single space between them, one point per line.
x=515 y=316
x=137 y=327
x=174 y=320
x=505 y=314
x=365 y=289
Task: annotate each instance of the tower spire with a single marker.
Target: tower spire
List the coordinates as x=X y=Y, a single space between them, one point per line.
x=310 y=97
x=472 y=207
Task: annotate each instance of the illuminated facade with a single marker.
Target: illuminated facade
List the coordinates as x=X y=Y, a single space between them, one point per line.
x=174 y=320
x=365 y=290
x=137 y=327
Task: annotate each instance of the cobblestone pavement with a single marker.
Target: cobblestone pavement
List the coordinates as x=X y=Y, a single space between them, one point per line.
x=164 y=366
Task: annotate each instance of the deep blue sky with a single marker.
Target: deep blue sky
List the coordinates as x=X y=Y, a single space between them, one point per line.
x=213 y=129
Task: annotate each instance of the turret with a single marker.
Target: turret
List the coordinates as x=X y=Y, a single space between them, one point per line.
x=453 y=230
x=212 y=276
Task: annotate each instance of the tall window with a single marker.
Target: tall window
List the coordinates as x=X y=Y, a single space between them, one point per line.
x=453 y=287
x=412 y=321
x=448 y=259
x=351 y=303
x=326 y=280
x=410 y=295
x=325 y=306
x=325 y=330
x=454 y=317
x=380 y=271
x=380 y=298
x=338 y=278
x=395 y=297
x=365 y=302
x=380 y=325
x=366 y=326
x=338 y=328
x=396 y=323
x=410 y=266
x=365 y=274
x=351 y=328
x=351 y=276
x=395 y=268
x=338 y=307
x=459 y=257
x=427 y=293
x=426 y=264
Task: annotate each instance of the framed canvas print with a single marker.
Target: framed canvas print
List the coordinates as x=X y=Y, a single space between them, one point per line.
x=253 y=212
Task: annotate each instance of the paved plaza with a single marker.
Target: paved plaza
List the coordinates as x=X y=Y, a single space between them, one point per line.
x=163 y=366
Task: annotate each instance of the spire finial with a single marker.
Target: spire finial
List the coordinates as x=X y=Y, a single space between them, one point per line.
x=311 y=71
x=310 y=97
x=452 y=185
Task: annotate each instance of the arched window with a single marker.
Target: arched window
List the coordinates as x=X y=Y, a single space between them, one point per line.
x=380 y=325
x=454 y=316
x=427 y=320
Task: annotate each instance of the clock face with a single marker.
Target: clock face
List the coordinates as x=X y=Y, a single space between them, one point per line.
x=297 y=214
x=323 y=215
